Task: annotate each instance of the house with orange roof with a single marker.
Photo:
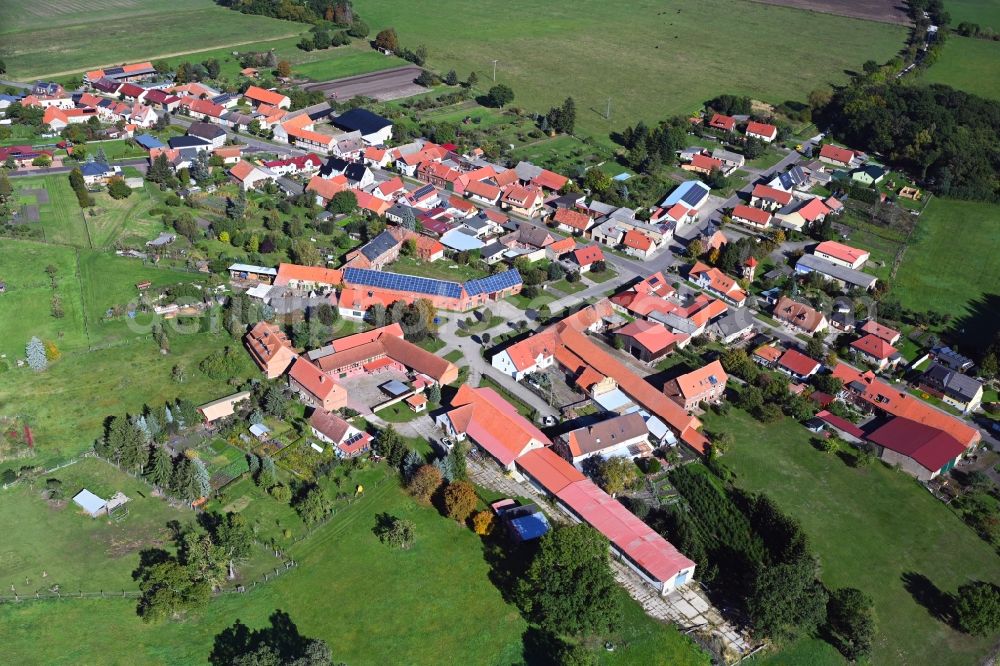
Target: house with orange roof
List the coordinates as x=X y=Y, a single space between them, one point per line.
x=58 y=119
x=638 y=244
x=713 y=280
x=560 y=247
x=249 y=176
x=767 y=355
x=873 y=350
x=796 y=364
x=492 y=424
x=649 y=341
x=866 y=391
x=375 y=156
x=763 y=131
x=706 y=384
x=371 y=204
x=138 y=71
x=390 y=190
x=843 y=255
x=326 y=188
x=836 y=155
x=522 y=200
x=757 y=218
x=316 y=388
x=269 y=348
x=702 y=164
x=482 y=192
x=259 y=96
x=308 y=277
x=572 y=221
x=534 y=353
x=890 y=335
x=722 y=122
x=378 y=350
x=585 y=257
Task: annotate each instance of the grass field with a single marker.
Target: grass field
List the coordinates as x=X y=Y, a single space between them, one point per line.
x=127 y=220
x=85 y=36
x=652 y=59
x=61 y=218
x=869 y=527
x=26 y=307
x=345 y=61
x=77 y=551
x=972 y=65
x=953 y=259
x=984 y=12
x=372 y=605
x=66 y=405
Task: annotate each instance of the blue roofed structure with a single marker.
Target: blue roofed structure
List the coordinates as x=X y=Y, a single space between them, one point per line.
x=148 y=141
x=692 y=193
x=525 y=522
x=362 y=120
x=493 y=283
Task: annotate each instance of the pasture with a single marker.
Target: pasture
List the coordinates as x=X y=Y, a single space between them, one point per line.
x=84 y=36
x=873 y=528
x=984 y=12
x=61 y=218
x=968 y=64
x=128 y=220
x=951 y=261
x=651 y=59
x=433 y=600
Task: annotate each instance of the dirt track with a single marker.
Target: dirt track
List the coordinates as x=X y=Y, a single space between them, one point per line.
x=882 y=11
x=384 y=85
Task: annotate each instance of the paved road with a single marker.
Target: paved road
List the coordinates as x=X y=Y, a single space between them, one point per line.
x=387 y=84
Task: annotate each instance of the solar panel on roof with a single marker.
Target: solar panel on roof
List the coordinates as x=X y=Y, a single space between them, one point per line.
x=493 y=283
x=398 y=282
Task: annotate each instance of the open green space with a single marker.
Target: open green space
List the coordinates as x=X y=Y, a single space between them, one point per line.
x=26 y=307
x=651 y=60
x=66 y=405
x=984 y=12
x=128 y=220
x=61 y=218
x=952 y=261
x=398 y=413
x=972 y=65
x=345 y=61
x=88 y=36
x=432 y=601
x=873 y=528
x=73 y=550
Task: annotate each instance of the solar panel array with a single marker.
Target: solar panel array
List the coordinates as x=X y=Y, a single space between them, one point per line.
x=493 y=283
x=398 y=282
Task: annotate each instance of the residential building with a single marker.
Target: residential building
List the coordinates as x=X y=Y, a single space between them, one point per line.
x=797 y=364
x=315 y=387
x=269 y=348
x=757 y=218
x=455 y=296
x=649 y=341
x=623 y=436
x=736 y=324
x=210 y=132
x=249 y=176
x=836 y=155
x=702 y=164
x=585 y=257
x=347 y=440
x=762 y=131
x=842 y=255
x=572 y=221
x=953 y=387
x=799 y=316
x=875 y=351
x=769 y=198
x=374 y=129
x=706 y=384
x=259 y=96
x=722 y=122
x=869 y=174
x=638 y=244
x=890 y=335
x=714 y=281
x=223 y=407
x=847 y=278
x=379 y=349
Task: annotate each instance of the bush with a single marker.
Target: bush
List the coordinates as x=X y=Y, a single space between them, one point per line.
x=483 y=522
x=460 y=500
x=281 y=492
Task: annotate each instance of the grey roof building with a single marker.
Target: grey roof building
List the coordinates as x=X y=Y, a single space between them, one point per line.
x=845 y=276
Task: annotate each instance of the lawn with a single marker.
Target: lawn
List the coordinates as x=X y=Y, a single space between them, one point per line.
x=77 y=551
x=128 y=220
x=443 y=269
x=972 y=65
x=61 y=218
x=870 y=527
x=602 y=277
x=26 y=308
x=432 y=601
x=88 y=35
x=952 y=263
x=652 y=60
x=568 y=287
x=345 y=61
x=67 y=404
x=398 y=413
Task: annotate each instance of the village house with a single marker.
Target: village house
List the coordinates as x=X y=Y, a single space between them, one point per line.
x=716 y=282
x=638 y=244
x=270 y=349
x=799 y=316
x=757 y=218
x=702 y=164
x=571 y=221
x=952 y=387
x=722 y=122
x=347 y=440
x=869 y=174
x=875 y=351
x=308 y=277
x=585 y=257
x=522 y=200
x=835 y=155
x=920 y=450
x=259 y=96
x=210 y=132
x=769 y=198
x=316 y=388
x=623 y=436
x=840 y=275
x=219 y=409
x=706 y=384
x=730 y=160
x=249 y=176
x=796 y=364
x=843 y=255
x=762 y=131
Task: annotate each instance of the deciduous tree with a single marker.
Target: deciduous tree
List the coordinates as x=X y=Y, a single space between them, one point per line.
x=460 y=500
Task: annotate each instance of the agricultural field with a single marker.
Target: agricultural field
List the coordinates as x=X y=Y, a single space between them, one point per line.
x=651 y=60
x=26 y=307
x=951 y=262
x=83 y=36
x=968 y=64
x=873 y=528
x=465 y=617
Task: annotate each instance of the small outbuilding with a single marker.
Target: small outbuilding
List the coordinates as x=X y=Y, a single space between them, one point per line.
x=90 y=503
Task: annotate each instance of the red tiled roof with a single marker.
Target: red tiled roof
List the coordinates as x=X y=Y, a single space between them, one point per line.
x=493 y=423
x=840 y=423
x=572 y=218
x=289 y=272
x=702 y=380
x=637 y=240
x=241 y=170
x=327 y=187
x=313 y=379
x=840 y=251
x=813 y=210
x=837 y=154
x=798 y=363
x=705 y=162
x=768 y=192
x=550 y=180
x=588 y=254
x=751 y=214
x=549 y=470
x=883 y=332
x=769 y=353
x=722 y=122
x=929 y=446
x=874 y=346
x=329 y=424
x=654 y=336
x=483 y=189
x=763 y=129
x=262 y=96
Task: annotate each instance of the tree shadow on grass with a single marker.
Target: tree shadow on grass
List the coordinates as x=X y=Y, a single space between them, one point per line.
x=938 y=603
x=238 y=642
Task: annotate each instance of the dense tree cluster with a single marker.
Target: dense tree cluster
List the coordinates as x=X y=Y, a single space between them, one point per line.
x=649 y=148
x=946 y=138
x=339 y=13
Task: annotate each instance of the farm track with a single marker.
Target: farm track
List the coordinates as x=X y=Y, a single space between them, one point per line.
x=880 y=11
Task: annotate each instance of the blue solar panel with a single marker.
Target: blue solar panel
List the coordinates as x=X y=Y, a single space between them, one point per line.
x=493 y=283
x=398 y=282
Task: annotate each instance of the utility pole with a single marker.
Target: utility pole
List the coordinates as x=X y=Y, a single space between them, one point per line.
x=607 y=114
x=495 y=71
